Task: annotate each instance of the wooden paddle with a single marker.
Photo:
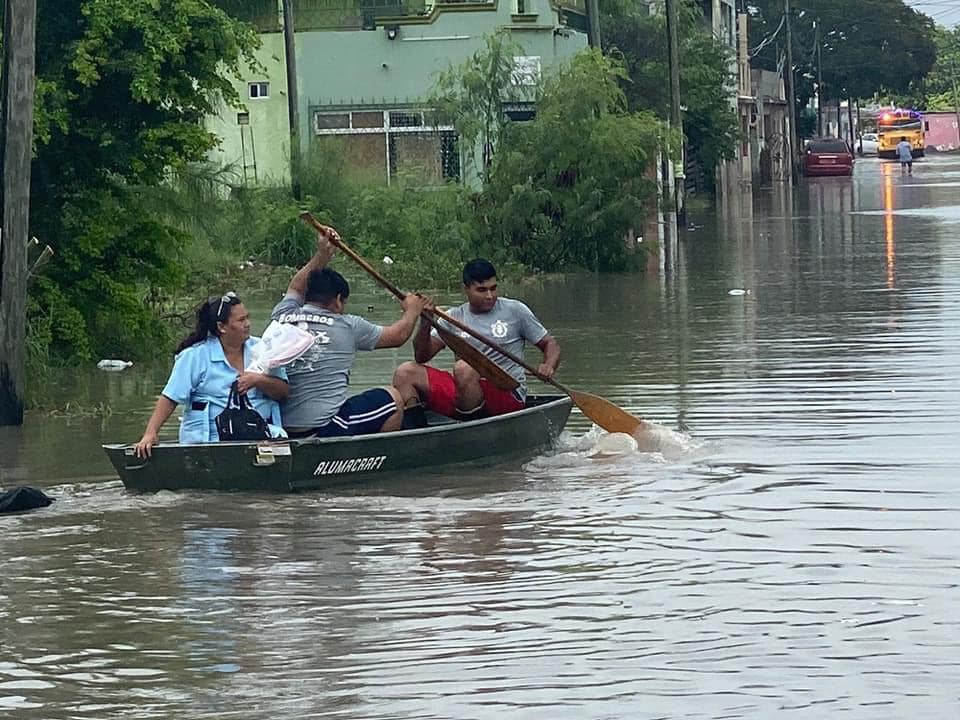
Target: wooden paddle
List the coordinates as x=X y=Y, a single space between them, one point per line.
x=600 y=410
x=461 y=348
x=603 y=412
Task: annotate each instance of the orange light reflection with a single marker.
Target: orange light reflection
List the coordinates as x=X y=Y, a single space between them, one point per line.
x=887 y=171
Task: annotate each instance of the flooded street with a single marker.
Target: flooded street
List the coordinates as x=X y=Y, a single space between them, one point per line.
x=794 y=552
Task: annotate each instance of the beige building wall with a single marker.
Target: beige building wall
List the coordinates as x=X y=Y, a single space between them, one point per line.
x=254 y=139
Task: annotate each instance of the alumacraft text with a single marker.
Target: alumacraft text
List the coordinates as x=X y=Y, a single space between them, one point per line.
x=352 y=465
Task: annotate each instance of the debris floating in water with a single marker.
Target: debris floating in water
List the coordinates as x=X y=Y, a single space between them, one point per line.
x=738 y=291
x=114 y=364
x=387 y=260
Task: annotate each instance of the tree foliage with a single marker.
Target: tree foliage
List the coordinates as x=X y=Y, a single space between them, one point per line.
x=707 y=78
x=866 y=46
x=936 y=92
x=565 y=188
x=471 y=96
x=123 y=87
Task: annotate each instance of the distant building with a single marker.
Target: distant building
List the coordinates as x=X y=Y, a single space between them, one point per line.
x=363 y=66
x=723 y=22
x=769 y=128
x=941 y=132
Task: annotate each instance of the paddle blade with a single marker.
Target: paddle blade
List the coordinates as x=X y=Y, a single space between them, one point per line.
x=605 y=414
x=487 y=368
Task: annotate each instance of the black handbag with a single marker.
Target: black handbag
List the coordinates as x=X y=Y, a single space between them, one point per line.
x=240 y=421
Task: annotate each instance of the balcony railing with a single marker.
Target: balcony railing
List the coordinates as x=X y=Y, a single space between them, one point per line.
x=357 y=14
x=262 y=14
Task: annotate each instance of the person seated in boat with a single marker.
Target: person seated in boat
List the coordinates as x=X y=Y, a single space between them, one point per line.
x=206 y=364
x=463 y=394
x=318 y=405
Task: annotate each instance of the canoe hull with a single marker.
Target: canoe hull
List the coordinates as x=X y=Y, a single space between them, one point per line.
x=300 y=465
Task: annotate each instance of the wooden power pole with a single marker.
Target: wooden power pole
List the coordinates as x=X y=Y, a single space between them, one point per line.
x=293 y=100
x=819 y=79
x=676 y=119
x=792 y=137
x=593 y=23
x=956 y=102
x=16 y=154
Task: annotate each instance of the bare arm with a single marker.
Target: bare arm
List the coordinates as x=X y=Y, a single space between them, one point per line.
x=397 y=334
x=161 y=411
x=273 y=387
x=325 y=250
x=425 y=346
x=551 y=356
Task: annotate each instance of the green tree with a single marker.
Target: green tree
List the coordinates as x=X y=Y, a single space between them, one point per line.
x=707 y=78
x=937 y=90
x=565 y=188
x=123 y=87
x=471 y=96
x=866 y=46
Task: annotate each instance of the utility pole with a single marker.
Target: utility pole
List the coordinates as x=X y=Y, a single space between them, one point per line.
x=956 y=103
x=676 y=119
x=593 y=26
x=792 y=143
x=16 y=153
x=816 y=35
x=293 y=101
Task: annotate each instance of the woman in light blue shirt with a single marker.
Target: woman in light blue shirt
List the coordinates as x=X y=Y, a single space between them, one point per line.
x=208 y=361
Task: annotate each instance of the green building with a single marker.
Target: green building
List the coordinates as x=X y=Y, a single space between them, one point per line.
x=362 y=67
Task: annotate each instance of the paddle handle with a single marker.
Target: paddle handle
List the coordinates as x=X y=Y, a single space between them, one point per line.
x=347 y=250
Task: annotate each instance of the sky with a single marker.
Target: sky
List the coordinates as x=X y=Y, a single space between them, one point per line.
x=944 y=12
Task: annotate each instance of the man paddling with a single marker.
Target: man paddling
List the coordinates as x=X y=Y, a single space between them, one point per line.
x=463 y=394
x=317 y=405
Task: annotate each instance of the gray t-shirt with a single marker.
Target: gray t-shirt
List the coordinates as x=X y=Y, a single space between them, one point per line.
x=320 y=377
x=509 y=324
x=904 y=151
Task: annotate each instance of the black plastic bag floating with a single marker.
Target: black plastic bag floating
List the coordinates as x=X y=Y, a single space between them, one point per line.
x=23 y=498
x=240 y=421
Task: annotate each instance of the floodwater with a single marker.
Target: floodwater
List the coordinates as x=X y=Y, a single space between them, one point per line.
x=794 y=552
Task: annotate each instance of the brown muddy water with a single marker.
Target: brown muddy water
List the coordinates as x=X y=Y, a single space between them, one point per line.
x=792 y=553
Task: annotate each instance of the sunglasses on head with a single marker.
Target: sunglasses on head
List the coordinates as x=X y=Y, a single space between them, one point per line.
x=228 y=299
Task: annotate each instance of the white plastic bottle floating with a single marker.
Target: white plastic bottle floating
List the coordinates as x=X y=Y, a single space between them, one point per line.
x=387 y=260
x=738 y=291
x=114 y=364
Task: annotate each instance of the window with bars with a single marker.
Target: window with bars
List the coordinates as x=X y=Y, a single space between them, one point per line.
x=404 y=118
x=394 y=142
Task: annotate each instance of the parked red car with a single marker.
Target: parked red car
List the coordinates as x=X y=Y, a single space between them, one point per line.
x=828 y=156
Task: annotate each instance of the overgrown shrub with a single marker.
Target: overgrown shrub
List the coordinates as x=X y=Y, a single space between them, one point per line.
x=565 y=189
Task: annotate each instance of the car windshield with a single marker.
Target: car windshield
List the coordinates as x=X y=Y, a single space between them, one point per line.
x=828 y=146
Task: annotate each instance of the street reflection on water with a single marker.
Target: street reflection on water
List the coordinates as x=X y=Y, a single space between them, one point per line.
x=799 y=553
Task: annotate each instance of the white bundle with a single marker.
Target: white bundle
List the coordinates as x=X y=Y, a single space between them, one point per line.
x=280 y=344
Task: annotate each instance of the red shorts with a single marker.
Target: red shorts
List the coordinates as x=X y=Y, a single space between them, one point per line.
x=443 y=395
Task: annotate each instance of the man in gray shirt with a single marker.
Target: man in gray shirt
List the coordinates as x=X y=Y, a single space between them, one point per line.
x=509 y=323
x=317 y=405
x=905 y=155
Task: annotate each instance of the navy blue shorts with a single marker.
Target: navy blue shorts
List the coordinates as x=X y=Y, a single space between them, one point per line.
x=362 y=414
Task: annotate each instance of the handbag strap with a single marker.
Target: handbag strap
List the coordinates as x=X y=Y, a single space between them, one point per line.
x=233 y=401
x=238 y=400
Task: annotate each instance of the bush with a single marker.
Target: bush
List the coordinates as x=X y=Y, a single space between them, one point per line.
x=566 y=188
x=427 y=233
